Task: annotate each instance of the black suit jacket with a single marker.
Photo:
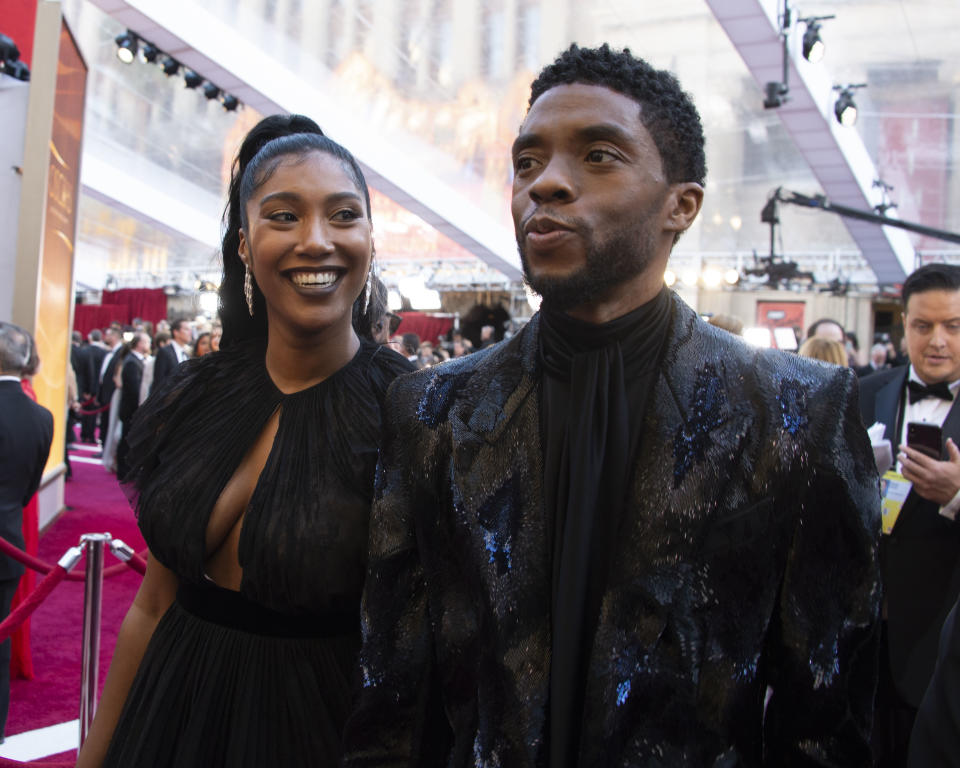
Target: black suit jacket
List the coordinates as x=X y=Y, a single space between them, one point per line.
x=26 y=431
x=920 y=559
x=747 y=558
x=165 y=364
x=935 y=741
x=107 y=384
x=131 y=377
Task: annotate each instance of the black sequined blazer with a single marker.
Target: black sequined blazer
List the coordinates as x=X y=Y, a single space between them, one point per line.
x=739 y=623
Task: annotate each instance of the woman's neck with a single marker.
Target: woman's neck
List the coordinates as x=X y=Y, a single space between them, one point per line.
x=296 y=361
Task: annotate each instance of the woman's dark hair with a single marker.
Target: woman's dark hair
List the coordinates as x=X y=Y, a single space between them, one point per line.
x=237 y=322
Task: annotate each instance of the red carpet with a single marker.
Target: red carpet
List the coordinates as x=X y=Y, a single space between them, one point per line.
x=95 y=505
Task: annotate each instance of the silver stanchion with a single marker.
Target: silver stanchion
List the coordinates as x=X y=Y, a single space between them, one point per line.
x=92 y=595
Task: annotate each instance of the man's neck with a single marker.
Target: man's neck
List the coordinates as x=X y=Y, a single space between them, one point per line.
x=622 y=300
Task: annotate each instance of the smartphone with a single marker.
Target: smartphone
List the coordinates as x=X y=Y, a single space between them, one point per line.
x=926 y=438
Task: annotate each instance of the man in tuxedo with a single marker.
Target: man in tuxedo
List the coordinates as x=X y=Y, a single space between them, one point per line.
x=113 y=338
x=90 y=360
x=174 y=353
x=26 y=431
x=920 y=558
x=131 y=376
x=623 y=537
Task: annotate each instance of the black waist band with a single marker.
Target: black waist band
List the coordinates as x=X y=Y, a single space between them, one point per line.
x=229 y=608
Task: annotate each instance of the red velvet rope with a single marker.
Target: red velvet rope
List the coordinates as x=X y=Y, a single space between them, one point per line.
x=7 y=763
x=136 y=562
x=28 y=606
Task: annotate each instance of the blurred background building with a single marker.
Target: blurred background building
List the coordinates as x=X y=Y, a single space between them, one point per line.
x=429 y=95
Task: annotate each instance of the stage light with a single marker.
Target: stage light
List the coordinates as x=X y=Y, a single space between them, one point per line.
x=170 y=66
x=149 y=53
x=126 y=47
x=846 y=108
x=192 y=79
x=776 y=95
x=731 y=277
x=711 y=278
x=210 y=91
x=689 y=277
x=670 y=278
x=230 y=103
x=813 y=47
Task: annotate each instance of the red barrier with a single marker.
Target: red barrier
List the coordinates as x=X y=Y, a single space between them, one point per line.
x=28 y=606
x=6 y=763
x=136 y=562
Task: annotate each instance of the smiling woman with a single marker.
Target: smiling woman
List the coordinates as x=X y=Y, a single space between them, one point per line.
x=252 y=475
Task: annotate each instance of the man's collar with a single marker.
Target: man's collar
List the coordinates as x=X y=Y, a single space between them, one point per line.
x=10 y=378
x=953 y=385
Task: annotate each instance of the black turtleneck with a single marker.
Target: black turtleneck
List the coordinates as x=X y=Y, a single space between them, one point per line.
x=594 y=393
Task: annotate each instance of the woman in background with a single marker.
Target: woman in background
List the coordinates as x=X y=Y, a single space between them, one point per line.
x=827 y=350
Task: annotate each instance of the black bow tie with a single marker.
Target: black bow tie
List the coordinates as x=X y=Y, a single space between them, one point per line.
x=918 y=391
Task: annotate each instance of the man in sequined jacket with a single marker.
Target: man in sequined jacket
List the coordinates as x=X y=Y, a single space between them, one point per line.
x=623 y=537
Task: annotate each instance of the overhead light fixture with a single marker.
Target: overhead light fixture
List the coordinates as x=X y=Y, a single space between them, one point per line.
x=210 y=91
x=170 y=66
x=813 y=47
x=669 y=278
x=775 y=94
x=126 y=47
x=149 y=52
x=731 y=276
x=845 y=107
x=230 y=103
x=192 y=79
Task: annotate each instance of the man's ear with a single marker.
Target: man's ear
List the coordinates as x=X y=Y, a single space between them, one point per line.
x=683 y=204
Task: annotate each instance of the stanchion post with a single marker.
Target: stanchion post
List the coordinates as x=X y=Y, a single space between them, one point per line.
x=92 y=595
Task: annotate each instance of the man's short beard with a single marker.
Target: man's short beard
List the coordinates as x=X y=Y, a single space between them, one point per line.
x=608 y=264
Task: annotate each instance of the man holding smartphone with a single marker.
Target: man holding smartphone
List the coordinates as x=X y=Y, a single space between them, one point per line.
x=920 y=555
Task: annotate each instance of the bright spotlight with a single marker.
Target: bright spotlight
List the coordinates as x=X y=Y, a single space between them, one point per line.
x=711 y=278
x=689 y=277
x=731 y=277
x=126 y=47
x=846 y=108
x=813 y=47
x=669 y=278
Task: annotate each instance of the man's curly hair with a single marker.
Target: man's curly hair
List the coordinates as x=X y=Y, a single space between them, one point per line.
x=665 y=109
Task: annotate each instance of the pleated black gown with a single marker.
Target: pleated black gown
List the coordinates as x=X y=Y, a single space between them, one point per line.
x=259 y=677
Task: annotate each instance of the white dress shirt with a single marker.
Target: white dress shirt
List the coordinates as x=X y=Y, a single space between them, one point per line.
x=930 y=410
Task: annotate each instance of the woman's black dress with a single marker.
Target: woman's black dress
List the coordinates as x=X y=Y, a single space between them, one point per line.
x=259 y=677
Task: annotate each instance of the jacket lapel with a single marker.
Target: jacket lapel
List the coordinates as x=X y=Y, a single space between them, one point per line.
x=887 y=407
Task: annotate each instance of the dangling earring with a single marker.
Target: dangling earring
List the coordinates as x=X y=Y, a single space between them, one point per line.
x=248 y=288
x=366 y=302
